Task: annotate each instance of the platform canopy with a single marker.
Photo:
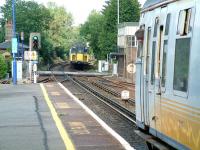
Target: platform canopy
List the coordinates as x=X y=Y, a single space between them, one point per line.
x=7 y=44
x=149 y=3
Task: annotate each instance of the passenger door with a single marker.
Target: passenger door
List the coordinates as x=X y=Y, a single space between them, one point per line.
x=146 y=82
x=158 y=67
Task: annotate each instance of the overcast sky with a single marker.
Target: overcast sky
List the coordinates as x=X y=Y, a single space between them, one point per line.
x=80 y=9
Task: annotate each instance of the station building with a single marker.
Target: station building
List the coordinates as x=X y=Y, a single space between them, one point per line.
x=127 y=48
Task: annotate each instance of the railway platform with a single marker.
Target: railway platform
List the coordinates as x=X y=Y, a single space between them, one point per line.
x=48 y=116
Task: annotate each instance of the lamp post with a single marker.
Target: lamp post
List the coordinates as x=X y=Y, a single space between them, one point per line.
x=14 y=44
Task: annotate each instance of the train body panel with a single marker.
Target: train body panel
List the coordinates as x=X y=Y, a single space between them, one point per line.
x=168 y=73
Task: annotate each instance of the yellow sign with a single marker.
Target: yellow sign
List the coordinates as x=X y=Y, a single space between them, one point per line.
x=30 y=55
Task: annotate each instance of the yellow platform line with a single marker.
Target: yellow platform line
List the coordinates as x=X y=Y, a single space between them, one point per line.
x=64 y=135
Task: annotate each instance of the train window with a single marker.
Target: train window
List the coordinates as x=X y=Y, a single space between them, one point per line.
x=73 y=50
x=181 y=65
x=155 y=27
x=184 y=22
x=165 y=49
x=153 y=62
x=167 y=24
x=148 y=50
x=140 y=48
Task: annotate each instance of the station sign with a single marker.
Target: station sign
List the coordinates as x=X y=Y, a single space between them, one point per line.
x=14 y=45
x=30 y=55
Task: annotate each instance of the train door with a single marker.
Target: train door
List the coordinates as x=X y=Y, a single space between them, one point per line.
x=139 y=76
x=158 y=67
x=147 y=75
x=151 y=79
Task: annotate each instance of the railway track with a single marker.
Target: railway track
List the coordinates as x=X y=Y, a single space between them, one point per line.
x=108 y=101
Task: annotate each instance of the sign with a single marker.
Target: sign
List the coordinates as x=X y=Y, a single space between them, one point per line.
x=30 y=55
x=19 y=70
x=22 y=36
x=125 y=95
x=34 y=67
x=14 y=45
x=131 y=68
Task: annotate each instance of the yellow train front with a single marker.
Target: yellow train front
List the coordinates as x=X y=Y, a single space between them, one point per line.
x=79 y=56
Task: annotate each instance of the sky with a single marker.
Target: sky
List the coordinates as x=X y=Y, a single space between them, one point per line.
x=80 y=9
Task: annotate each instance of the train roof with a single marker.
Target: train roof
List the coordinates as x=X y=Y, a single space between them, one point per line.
x=151 y=3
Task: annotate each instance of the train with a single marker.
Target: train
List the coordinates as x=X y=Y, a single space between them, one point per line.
x=168 y=74
x=78 y=55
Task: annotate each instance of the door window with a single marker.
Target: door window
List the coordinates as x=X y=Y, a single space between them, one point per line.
x=164 y=64
x=153 y=62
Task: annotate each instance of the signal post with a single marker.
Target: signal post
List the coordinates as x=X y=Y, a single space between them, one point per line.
x=32 y=54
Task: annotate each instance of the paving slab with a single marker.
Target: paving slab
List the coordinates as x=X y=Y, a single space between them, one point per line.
x=25 y=120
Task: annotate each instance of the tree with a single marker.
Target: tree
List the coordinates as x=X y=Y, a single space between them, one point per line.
x=3 y=67
x=54 y=23
x=129 y=12
x=60 y=28
x=101 y=31
x=60 y=35
x=2 y=30
x=91 y=29
x=30 y=16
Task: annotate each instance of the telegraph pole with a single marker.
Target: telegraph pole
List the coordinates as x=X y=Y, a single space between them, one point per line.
x=14 y=44
x=118 y=11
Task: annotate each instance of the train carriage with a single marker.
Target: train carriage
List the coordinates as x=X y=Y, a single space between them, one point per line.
x=79 y=55
x=168 y=72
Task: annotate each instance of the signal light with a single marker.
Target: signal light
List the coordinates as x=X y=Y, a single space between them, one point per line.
x=35 y=42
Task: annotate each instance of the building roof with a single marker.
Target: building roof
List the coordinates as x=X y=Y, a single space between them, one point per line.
x=125 y=24
x=8 y=44
x=149 y=3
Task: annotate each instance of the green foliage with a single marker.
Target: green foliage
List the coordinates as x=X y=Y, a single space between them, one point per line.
x=30 y=16
x=91 y=29
x=101 y=28
x=60 y=28
x=3 y=67
x=53 y=22
x=2 y=30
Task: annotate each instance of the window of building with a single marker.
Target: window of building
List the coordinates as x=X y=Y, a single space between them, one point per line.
x=181 y=64
x=184 y=22
x=129 y=41
x=153 y=62
x=164 y=63
x=133 y=41
x=167 y=24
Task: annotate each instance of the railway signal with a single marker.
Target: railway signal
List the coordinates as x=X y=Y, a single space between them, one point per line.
x=35 y=41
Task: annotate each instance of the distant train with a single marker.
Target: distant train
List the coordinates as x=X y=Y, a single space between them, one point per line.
x=168 y=73
x=79 y=55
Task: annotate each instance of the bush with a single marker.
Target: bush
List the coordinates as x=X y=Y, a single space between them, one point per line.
x=3 y=67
